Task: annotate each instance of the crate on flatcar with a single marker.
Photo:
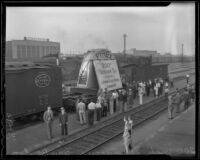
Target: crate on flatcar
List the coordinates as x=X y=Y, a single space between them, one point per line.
x=31 y=88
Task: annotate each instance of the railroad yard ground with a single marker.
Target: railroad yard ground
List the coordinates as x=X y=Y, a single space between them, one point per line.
x=22 y=141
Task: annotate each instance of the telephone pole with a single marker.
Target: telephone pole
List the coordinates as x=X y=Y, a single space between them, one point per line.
x=182 y=52
x=125 y=44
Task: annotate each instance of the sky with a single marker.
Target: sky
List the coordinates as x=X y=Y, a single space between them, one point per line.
x=79 y=29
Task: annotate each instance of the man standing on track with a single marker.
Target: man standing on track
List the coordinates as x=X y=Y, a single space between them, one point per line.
x=63 y=118
x=48 y=118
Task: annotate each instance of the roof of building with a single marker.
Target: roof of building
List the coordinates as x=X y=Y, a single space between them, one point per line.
x=25 y=65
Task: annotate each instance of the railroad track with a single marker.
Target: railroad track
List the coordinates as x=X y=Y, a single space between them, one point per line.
x=185 y=70
x=85 y=144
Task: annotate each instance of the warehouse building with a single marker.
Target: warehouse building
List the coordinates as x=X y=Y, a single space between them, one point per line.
x=30 y=48
x=135 y=52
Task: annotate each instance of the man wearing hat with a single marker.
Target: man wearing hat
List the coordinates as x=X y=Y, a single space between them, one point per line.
x=63 y=118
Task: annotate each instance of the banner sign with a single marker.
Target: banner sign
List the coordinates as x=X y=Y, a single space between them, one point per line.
x=107 y=74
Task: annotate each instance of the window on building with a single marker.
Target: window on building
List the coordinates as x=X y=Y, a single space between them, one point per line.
x=23 y=51
x=47 y=50
x=43 y=51
x=18 y=51
x=33 y=52
x=37 y=51
x=29 y=51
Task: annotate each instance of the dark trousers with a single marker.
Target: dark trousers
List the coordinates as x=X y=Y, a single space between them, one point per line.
x=172 y=84
x=104 y=113
x=161 y=90
x=186 y=104
x=148 y=90
x=64 y=130
x=154 y=92
x=98 y=111
x=178 y=107
x=114 y=105
x=123 y=105
x=90 y=117
x=108 y=105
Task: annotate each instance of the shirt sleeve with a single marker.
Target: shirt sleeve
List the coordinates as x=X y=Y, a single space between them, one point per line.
x=44 y=117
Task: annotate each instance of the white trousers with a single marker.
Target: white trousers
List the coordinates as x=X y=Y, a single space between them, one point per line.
x=82 y=117
x=140 y=99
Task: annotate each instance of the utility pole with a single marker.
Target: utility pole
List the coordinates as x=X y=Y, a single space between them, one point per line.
x=182 y=53
x=124 y=45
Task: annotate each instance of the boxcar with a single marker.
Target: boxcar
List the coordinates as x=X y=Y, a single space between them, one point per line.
x=30 y=89
x=134 y=72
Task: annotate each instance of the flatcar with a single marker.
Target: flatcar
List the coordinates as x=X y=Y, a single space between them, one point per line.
x=30 y=88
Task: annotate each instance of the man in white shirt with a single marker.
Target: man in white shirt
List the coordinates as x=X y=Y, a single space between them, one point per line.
x=91 y=109
x=158 y=86
x=81 y=109
x=115 y=100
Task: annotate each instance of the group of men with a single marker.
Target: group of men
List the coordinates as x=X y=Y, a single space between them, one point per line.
x=105 y=104
x=186 y=97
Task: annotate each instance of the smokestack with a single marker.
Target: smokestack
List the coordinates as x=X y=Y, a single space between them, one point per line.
x=125 y=45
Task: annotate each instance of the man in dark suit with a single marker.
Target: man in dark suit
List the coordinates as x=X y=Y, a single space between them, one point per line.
x=63 y=118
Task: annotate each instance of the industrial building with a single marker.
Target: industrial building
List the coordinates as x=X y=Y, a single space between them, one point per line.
x=30 y=48
x=135 y=52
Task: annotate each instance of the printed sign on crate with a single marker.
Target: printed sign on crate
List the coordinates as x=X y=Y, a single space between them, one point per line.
x=107 y=74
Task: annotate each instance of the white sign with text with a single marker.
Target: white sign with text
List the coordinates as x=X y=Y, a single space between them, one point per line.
x=107 y=74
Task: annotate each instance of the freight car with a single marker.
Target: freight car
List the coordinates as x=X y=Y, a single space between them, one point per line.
x=30 y=88
x=171 y=59
x=145 y=72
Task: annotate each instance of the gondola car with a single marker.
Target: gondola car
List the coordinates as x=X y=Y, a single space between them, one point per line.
x=30 y=88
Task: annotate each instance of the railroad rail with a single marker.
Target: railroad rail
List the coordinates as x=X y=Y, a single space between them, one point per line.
x=85 y=144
